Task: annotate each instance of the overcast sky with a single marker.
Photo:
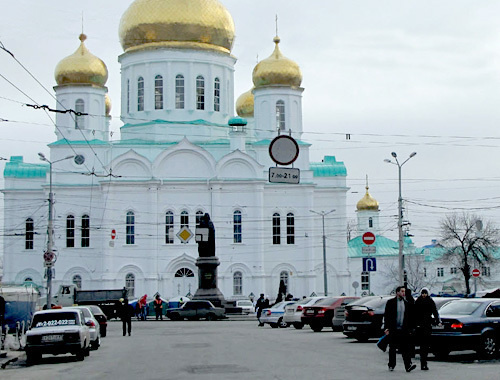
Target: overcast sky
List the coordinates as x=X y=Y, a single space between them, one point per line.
x=396 y=75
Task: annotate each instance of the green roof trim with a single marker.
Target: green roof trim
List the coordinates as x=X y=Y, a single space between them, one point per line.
x=16 y=168
x=168 y=122
x=268 y=142
x=79 y=142
x=384 y=246
x=329 y=167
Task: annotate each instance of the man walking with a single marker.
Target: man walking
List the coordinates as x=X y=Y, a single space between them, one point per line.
x=427 y=315
x=398 y=322
x=259 y=306
x=127 y=311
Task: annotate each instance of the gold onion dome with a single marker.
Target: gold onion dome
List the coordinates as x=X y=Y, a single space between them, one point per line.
x=277 y=70
x=81 y=67
x=196 y=24
x=367 y=203
x=107 y=103
x=245 y=104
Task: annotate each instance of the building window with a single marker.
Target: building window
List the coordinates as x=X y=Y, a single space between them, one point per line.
x=440 y=272
x=77 y=281
x=237 y=283
x=79 y=119
x=237 y=226
x=184 y=219
x=29 y=234
x=276 y=229
x=370 y=222
x=158 y=92
x=199 y=215
x=453 y=270
x=485 y=271
x=130 y=228
x=290 y=228
x=365 y=280
x=184 y=272
x=85 y=231
x=70 y=231
x=140 y=94
x=28 y=279
x=217 y=95
x=284 y=277
x=200 y=93
x=280 y=115
x=169 y=227
x=179 y=92
x=130 y=284
x=128 y=95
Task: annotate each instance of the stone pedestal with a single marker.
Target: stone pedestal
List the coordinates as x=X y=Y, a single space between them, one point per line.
x=207 y=280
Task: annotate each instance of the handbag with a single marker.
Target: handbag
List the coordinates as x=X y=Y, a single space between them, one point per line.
x=383 y=342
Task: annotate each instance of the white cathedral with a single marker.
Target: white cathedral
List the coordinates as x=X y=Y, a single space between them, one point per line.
x=125 y=209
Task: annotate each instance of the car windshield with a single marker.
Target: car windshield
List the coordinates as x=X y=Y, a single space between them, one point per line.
x=86 y=312
x=96 y=309
x=372 y=303
x=54 y=319
x=327 y=301
x=460 y=308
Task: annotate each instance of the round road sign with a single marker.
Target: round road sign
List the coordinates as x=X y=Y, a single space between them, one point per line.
x=368 y=238
x=48 y=256
x=284 y=150
x=476 y=272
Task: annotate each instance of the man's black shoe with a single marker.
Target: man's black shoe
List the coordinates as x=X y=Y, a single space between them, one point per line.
x=411 y=367
x=424 y=368
x=391 y=368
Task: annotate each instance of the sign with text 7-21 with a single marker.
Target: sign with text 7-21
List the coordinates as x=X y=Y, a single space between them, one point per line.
x=284 y=175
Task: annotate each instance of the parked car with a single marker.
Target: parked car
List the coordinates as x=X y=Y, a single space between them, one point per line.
x=193 y=310
x=101 y=318
x=468 y=324
x=57 y=331
x=293 y=312
x=246 y=306
x=274 y=315
x=94 y=329
x=322 y=314
x=363 y=318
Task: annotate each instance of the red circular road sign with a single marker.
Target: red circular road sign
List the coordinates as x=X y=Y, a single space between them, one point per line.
x=476 y=272
x=48 y=256
x=368 y=238
x=113 y=234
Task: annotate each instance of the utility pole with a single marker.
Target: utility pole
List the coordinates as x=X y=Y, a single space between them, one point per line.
x=325 y=277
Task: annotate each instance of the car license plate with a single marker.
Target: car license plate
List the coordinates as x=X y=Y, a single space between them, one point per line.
x=52 y=338
x=351 y=328
x=438 y=327
x=310 y=312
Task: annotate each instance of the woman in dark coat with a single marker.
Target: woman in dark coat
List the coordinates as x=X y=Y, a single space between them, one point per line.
x=426 y=316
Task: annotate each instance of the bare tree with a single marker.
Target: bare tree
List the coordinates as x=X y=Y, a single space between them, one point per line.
x=416 y=274
x=468 y=241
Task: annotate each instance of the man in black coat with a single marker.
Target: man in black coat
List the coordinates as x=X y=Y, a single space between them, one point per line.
x=259 y=306
x=427 y=315
x=399 y=325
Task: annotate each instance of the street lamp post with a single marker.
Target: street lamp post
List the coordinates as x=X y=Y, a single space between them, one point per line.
x=400 y=213
x=50 y=229
x=325 y=278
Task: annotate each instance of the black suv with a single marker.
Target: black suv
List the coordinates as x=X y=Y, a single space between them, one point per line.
x=363 y=318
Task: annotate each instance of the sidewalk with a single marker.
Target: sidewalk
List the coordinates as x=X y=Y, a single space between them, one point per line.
x=11 y=352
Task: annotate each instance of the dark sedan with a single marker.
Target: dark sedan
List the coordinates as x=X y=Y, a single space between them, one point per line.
x=468 y=324
x=100 y=317
x=363 y=318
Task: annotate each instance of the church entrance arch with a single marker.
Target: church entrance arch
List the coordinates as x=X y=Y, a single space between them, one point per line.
x=185 y=282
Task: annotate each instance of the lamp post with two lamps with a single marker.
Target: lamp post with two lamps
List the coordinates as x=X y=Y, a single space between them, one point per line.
x=400 y=213
x=325 y=278
x=49 y=254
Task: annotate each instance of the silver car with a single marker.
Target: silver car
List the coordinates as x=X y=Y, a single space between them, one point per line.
x=92 y=323
x=294 y=311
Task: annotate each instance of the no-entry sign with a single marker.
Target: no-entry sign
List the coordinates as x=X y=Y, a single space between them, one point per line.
x=368 y=238
x=476 y=272
x=113 y=234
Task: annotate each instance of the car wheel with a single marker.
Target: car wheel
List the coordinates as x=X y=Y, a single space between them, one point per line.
x=95 y=344
x=210 y=317
x=361 y=338
x=80 y=355
x=316 y=328
x=103 y=331
x=273 y=325
x=298 y=325
x=175 y=317
x=488 y=345
x=282 y=324
x=441 y=354
x=33 y=357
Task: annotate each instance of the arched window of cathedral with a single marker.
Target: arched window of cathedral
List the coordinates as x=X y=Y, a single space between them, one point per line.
x=290 y=228
x=284 y=277
x=370 y=222
x=70 y=231
x=237 y=227
x=28 y=279
x=130 y=228
x=158 y=92
x=276 y=228
x=184 y=272
x=169 y=227
x=216 y=95
x=179 y=92
x=85 y=231
x=130 y=284
x=77 y=281
x=29 y=234
x=128 y=95
x=200 y=93
x=280 y=115
x=140 y=94
x=237 y=283
x=79 y=120
x=199 y=215
x=184 y=219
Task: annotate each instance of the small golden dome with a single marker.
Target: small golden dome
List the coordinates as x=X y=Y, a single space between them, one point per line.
x=196 y=24
x=81 y=67
x=107 y=103
x=277 y=70
x=245 y=104
x=367 y=203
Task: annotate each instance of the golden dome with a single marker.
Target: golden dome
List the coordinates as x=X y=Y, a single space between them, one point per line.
x=277 y=70
x=367 y=203
x=107 y=103
x=244 y=104
x=197 y=24
x=81 y=67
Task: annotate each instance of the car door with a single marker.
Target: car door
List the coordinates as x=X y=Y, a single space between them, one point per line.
x=493 y=317
x=189 y=309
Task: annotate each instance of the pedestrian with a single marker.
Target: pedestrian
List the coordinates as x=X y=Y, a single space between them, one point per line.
x=126 y=313
x=399 y=326
x=426 y=315
x=259 y=306
x=158 y=306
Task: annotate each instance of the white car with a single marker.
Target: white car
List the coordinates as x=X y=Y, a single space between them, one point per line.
x=294 y=311
x=274 y=315
x=92 y=323
x=246 y=306
x=57 y=331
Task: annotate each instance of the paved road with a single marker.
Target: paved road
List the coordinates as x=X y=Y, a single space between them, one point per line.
x=238 y=350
